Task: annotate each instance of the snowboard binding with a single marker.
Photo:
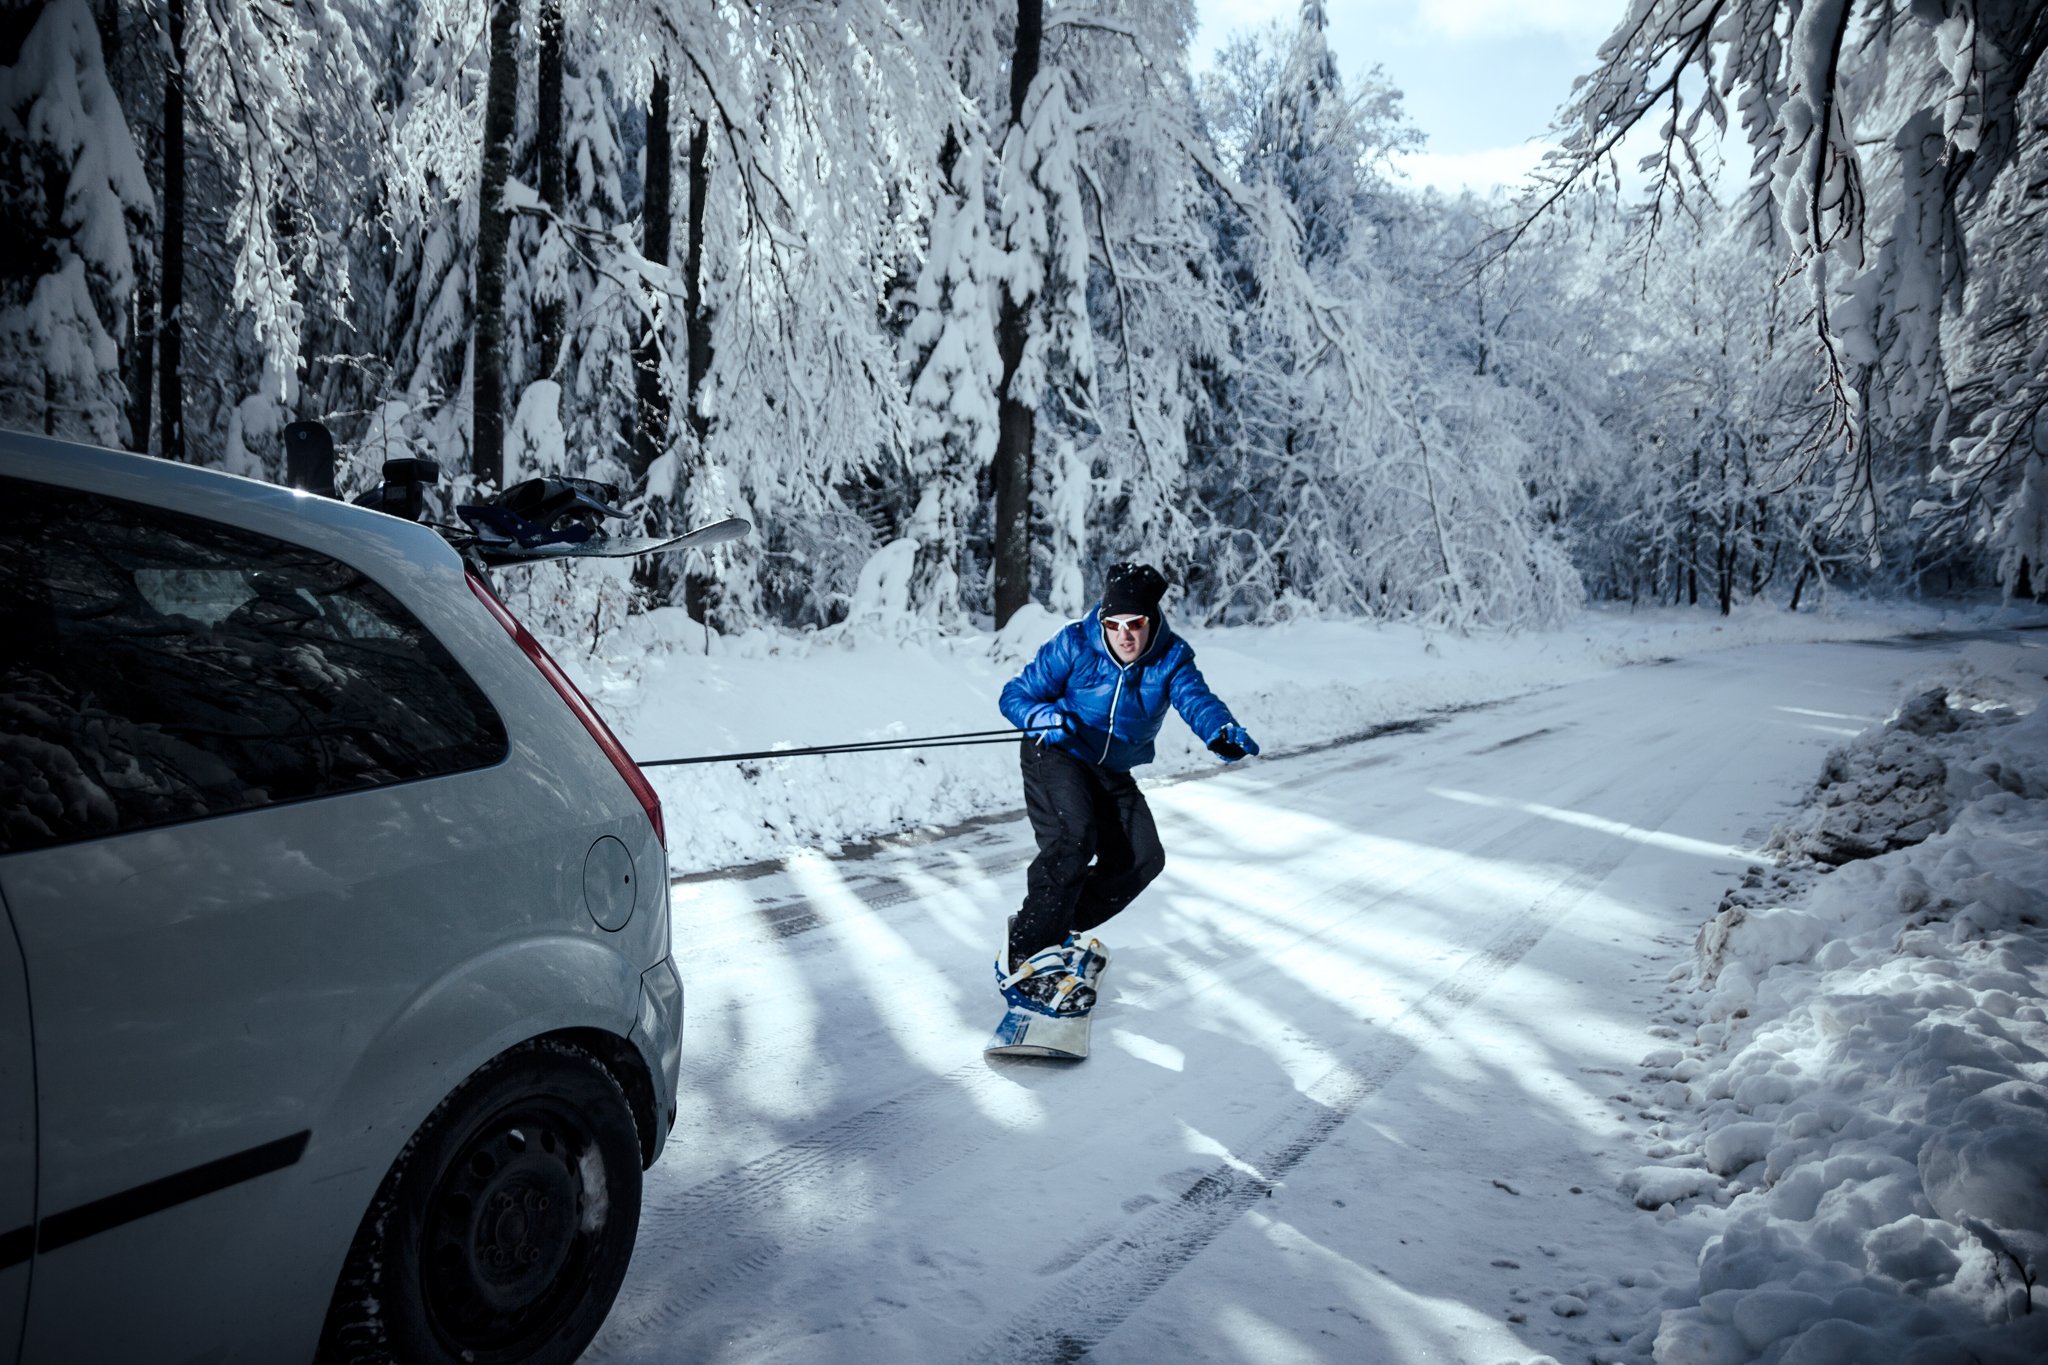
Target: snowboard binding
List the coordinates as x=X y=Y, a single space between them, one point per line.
x=1087 y=955
x=1044 y=984
x=1048 y=999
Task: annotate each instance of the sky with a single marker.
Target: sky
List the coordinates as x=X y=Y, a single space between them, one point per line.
x=1481 y=78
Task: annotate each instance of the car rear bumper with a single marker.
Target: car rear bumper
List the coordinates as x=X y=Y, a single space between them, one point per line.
x=659 y=1034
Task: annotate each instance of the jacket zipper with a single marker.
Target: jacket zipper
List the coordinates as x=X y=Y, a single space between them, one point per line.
x=1114 y=698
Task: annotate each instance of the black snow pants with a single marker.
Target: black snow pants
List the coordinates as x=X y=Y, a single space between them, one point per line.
x=1080 y=812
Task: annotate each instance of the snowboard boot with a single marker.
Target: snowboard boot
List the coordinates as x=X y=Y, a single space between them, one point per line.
x=1043 y=984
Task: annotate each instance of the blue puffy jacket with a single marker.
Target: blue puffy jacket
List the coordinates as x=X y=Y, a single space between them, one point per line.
x=1116 y=708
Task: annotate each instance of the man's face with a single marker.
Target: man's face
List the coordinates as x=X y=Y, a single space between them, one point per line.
x=1128 y=636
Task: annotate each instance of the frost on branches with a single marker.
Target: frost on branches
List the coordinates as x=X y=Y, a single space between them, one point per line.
x=950 y=354
x=1242 y=348
x=1357 y=465
x=75 y=202
x=1893 y=145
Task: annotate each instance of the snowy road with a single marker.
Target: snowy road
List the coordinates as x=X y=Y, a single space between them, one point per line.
x=1362 y=1078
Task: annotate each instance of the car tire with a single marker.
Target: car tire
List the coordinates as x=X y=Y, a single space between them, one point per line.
x=502 y=1232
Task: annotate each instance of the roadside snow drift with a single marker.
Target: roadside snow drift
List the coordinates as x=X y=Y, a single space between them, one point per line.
x=1863 y=1109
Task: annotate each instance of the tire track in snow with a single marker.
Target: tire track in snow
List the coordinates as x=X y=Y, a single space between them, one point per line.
x=717 y=1236
x=729 y=1055
x=1518 y=739
x=729 y=1230
x=1115 y=1280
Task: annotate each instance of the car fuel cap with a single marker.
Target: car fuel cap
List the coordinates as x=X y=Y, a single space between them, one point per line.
x=608 y=883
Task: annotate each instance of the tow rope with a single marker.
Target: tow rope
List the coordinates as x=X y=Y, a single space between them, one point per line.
x=877 y=746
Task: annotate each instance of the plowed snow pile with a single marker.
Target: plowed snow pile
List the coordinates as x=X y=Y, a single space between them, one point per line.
x=1862 y=1111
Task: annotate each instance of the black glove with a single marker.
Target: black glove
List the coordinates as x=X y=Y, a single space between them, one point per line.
x=1232 y=743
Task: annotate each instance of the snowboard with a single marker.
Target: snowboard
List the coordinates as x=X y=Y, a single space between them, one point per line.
x=1027 y=1033
x=498 y=553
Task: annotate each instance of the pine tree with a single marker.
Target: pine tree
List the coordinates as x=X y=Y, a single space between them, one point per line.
x=949 y=347
x=75 y=204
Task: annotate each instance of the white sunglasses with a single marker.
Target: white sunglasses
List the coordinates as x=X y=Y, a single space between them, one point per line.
x=1126 y=624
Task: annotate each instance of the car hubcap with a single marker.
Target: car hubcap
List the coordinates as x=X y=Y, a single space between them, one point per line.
x=504 y=1228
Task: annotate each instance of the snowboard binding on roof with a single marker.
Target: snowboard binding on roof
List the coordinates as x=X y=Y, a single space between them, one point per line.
x=554 y=517
x=539 y=512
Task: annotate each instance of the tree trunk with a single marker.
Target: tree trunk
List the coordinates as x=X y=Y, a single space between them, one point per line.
x=138 y=342
x=696 y=318
x=1757 y=572
x=1479 y=291
x=142 y=357
x=1017 y=422
x=170 y=330
x=1692 y=537
x=1724 y=552
x=1728 y=526
x=106 y=17
x=553 y=191
x=493 y=232
x=650 y=432
x=701 y=592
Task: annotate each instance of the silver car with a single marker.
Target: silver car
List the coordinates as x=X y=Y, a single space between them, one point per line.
x=337 y=1011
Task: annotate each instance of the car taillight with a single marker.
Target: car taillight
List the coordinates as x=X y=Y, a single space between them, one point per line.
x=592 y=721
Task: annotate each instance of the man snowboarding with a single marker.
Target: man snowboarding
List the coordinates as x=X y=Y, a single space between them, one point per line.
x=1096 y=693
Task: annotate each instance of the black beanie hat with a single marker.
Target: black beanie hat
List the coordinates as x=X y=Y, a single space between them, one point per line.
x=1132 y=590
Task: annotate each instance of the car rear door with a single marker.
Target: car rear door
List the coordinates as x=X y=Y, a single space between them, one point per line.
x=17 y=1141
x=258 y=808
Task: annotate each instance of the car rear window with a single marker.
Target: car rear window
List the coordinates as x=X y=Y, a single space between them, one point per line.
x=157 y=667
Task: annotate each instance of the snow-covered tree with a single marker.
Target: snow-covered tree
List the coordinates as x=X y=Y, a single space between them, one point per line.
x=1043 y=336
x=1357 y=465
x=487 y=394
x=949 y=348
x=1158 y=308
x=575 y=302
x=651 y=398
x=1717 y=500
x=417 y=382
x=1893 y=145
x=1017 y=407
x=858 y=251
x=75 y=207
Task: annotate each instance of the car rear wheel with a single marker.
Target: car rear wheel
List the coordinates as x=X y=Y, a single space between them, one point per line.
x=503 y=1230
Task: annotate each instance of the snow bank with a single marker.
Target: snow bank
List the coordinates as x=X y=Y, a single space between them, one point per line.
x=1862 y=1112
x=671 y=689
